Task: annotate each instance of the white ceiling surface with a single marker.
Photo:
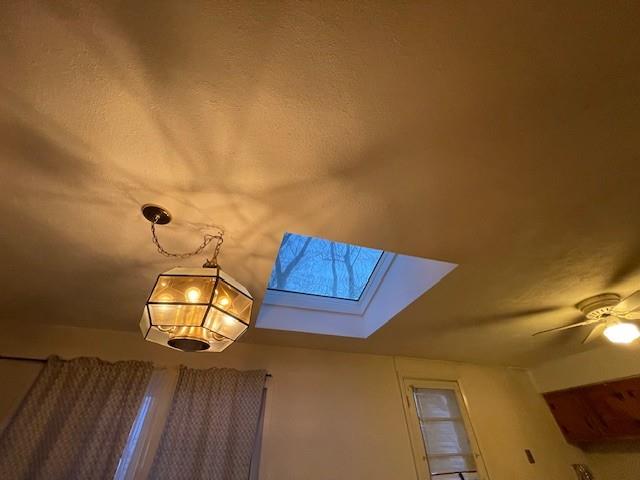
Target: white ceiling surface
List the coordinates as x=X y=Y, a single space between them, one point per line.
x=502 y=136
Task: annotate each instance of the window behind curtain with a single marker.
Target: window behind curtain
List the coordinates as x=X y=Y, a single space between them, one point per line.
x=254 y=474
x=137 y=457
x=143 y=438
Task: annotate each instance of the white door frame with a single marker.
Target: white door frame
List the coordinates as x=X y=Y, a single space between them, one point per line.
x=415 y=434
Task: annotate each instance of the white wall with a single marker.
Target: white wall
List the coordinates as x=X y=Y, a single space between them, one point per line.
x=336 y=415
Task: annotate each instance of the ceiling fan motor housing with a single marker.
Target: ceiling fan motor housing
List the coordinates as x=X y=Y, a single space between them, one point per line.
x=598 y=306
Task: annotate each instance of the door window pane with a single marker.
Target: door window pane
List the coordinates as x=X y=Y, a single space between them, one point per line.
x=446 y=442
x=445 y=436
x=456 y=476
x=441 y=465
x=436 y=403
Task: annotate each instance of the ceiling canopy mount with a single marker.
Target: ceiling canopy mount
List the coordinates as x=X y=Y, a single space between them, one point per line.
x=156 y=214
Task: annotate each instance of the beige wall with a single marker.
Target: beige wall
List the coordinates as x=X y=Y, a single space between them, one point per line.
x=508 y=416
x=336 y=415
x=15 y=380
x=608 y=362
x=615 y=460
x=611 y=460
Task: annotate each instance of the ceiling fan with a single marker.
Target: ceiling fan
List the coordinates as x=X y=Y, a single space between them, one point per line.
x=609 y=316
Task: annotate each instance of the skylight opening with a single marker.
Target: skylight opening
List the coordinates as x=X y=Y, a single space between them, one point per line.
x=320 y=267
x=332 y=288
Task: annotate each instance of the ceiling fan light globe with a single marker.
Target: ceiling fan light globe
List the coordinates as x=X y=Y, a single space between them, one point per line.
x=622 y=332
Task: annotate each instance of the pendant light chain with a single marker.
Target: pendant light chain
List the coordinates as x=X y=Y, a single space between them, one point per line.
x=208 y=238
x=213 y=261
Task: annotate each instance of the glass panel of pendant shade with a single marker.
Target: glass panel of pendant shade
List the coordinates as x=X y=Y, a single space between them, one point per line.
x=316 y=266
x=230 y=300
x=162 y=314
x=218 y=345
x=224 y=324
x=182 y=289
x=163 y=335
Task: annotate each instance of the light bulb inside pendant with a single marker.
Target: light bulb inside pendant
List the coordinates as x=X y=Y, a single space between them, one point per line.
x=193 y=294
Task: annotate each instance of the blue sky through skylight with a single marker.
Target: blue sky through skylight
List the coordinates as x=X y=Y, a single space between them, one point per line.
x=316 y=266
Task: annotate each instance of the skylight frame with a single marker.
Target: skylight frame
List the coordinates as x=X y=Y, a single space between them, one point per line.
x=396 y=281
x=309 y=301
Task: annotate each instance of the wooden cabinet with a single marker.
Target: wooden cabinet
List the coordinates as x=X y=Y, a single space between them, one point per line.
x=574 y=417
x=598 y=412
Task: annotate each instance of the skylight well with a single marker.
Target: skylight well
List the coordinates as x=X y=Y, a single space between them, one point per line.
x=332 y=288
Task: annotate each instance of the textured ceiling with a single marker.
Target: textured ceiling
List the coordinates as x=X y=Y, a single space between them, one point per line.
x=502 y=136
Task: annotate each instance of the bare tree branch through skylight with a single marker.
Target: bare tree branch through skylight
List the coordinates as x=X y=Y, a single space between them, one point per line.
x=317 y=266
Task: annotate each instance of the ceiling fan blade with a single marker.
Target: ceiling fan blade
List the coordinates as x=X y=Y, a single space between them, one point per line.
x=628 y=304
x=567 y=327
x=500 y=318
x=514 y=314
x=630 y=316
x=595 y=333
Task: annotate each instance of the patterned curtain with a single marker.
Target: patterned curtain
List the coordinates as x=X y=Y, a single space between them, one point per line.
x=212 y=425
x=74 y=421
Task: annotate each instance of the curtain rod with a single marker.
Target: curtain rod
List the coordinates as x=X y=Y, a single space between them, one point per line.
x=23 y=359
x=42 y=360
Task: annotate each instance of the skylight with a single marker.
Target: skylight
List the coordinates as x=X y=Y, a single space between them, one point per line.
x=332 y=288
x=316 y=266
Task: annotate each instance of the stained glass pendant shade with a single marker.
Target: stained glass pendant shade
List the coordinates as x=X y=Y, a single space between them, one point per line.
x=196 y=310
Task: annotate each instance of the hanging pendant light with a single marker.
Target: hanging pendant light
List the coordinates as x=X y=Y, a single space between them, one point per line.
x=194 y=309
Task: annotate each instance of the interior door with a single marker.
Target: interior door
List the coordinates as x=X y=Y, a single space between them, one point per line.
x=442 y=437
